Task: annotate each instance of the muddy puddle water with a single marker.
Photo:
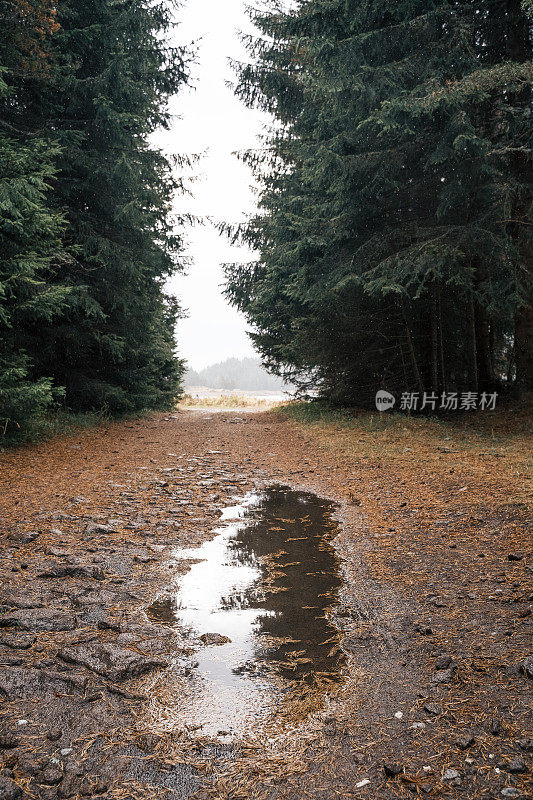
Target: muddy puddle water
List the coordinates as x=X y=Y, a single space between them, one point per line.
x=265 y=582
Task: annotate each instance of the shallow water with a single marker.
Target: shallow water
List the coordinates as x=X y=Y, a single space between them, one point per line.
x=264 y=581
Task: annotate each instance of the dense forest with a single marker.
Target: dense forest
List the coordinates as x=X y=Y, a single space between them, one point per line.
x=394 y=230
x=246 y=374
x=86 y=237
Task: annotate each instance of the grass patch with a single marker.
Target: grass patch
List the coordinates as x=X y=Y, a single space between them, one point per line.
x=319 y=412
x=60 y=423
x=470 y=440
x=493 y=427
x=322 y=416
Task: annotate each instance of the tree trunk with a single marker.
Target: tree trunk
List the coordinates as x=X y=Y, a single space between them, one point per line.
x=441 y=347
x=485 y=368
x=412 y=354
x=434 y=339
x=471 y=343
x=523 y=347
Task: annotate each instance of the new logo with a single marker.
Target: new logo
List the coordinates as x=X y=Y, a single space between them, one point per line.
x=384 y=400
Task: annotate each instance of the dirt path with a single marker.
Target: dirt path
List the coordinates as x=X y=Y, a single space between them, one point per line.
x=435 y=615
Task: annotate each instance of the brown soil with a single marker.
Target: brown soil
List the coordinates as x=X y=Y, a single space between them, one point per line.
x=437 y=559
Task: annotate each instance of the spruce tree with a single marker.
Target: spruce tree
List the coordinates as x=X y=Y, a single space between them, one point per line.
x=30 y=229
x=396 y=191
x=114 y=347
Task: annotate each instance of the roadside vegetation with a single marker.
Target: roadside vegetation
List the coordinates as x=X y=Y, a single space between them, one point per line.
x=45 y=426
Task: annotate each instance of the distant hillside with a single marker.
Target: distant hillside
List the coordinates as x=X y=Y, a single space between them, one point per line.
x=246 y=374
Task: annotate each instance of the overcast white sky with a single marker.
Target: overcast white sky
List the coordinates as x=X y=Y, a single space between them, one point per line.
x=215 y=122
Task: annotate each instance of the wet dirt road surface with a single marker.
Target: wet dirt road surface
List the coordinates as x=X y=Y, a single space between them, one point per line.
x=102 y=659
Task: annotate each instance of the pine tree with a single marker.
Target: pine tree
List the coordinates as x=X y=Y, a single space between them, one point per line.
x=87 y=240
x=393 y=249
x=114 y=347
x=30 y=230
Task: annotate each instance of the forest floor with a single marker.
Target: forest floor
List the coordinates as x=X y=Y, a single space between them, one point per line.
x=435 y=545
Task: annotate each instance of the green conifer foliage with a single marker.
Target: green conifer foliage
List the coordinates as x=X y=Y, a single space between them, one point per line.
x=114 y=348
x=30 y=229
x=87 y=240
x=394 y=233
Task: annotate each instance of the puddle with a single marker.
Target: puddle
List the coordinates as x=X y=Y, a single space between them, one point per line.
x=265 y=582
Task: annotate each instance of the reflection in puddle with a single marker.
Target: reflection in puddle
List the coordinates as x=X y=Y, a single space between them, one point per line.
x=265 y=581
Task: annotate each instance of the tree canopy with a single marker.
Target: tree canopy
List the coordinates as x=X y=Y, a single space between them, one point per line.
x=394 y=231
x=87 y=239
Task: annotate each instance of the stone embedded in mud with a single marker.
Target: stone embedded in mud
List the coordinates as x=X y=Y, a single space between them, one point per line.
x=51 y=776
x=97 y=528
x=526 y=744
x=517 y=766
x=74 y=571
x=19 y=683
x=8 y=789
x=443 y=662
x=464 y=742
x=110 y=660
x=39 y=619
x=18 y=642
x=58 y=552
x=451 y=775
x=444 y=675
x=8 y=741
x=24 y=537
x=432 y=708
x=214 y=638
x=392 y=770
